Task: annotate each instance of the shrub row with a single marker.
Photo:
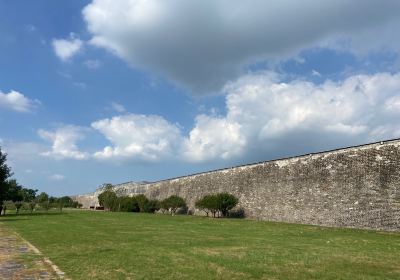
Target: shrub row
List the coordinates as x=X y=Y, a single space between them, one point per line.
x=219 y=205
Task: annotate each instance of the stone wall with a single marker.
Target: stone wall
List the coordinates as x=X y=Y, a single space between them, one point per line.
x=353 y=187
x=128 y=189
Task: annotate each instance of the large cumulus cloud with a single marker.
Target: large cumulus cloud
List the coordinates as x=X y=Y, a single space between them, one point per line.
x=265 y=118
x=268 y=118
x=203 y=44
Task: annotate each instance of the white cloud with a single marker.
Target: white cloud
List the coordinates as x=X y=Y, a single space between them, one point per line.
x=141 y=137
x=17 y=102
x=264 y=117
x=66 y=48
x=56 y=177
x=263 y=113
x=203 y=44
x=213 y=138
x=64 y=142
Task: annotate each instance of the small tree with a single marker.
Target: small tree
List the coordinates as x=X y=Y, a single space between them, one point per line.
x=5 y=173
x=66 y=201
x=211 y=203
x=108 y=198
x=59 y=204
x=208 y=204
x=45 y=205
x=217 y=203
x=14 y=194
x=174 y=202
x=202 y=205
x=32 y=205
x=43 y=200
x=42 y=197
x=163 y=205
x=226 y=202
x=28 y=195
x=18 y=205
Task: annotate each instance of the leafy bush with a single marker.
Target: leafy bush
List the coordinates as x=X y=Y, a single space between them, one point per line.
x=151 y=206
x=142 y=201
x=237 y=213
x=128 y=204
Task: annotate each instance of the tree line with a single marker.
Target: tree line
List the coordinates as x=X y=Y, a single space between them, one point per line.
x=218 y=205
x=15 y=196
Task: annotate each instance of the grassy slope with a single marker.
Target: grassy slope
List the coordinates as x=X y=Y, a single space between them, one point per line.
x=96 y=245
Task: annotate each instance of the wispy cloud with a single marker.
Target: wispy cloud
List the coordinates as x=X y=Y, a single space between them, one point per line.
x=56 y=177
x=92 y=63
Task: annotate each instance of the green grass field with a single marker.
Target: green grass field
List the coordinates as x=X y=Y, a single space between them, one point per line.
x=97 y=245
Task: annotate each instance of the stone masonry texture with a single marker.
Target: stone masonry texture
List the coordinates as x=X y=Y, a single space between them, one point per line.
x=352 y=187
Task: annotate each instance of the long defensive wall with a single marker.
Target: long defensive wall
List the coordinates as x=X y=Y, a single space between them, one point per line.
x=350 y=187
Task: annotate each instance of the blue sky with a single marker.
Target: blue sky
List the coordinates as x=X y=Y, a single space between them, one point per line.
x=114 y=91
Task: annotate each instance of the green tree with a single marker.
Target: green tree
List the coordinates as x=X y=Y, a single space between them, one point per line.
x=76 y=204
x=32 y=205
x=5 y=173
x=28 y=195
x=226 y=202
x=18 y=205
x=66 y=201
x=42 y=197
x=202 y=205
x=128 y=204
x=45 y=205
x=217 y=203
x=142 y=201
x=59 y=204
x=210 y=202
x=108 y=199
x=163 y=205
x=152 y=206
x=173 y=203
x=43 y=200
x=14 y=193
